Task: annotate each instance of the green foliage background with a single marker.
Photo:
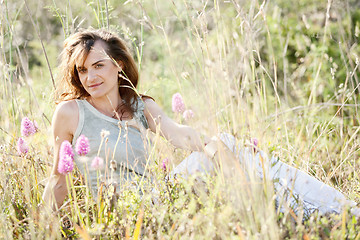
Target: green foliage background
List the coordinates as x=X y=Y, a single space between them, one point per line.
x=286 y=72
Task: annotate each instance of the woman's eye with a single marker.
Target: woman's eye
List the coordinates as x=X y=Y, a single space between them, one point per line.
x=82 y=70
x=98 y=65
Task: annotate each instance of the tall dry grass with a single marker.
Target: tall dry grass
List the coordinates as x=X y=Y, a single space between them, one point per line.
x=233 y=61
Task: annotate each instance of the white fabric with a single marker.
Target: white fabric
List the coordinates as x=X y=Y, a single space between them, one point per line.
x=306 y=191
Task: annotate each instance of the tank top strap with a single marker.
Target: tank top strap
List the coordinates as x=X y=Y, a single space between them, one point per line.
x=139 y=112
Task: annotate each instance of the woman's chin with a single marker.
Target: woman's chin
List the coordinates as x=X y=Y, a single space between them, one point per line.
x=97 y=94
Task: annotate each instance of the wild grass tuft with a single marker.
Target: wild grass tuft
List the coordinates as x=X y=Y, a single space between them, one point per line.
x=286 y=73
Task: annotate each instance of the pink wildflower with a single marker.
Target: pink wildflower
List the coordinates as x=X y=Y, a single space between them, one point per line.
x=255 y=143
x=97 y=163
x=66 y=164
x=66 y=158
x=27 y=127
x=82 y=146
x=188 y=114
x=22 y=147
x=164 y=164
x=177 y=103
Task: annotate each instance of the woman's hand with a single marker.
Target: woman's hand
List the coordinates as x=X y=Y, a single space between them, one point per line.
x=223 y=158
x=55 y=191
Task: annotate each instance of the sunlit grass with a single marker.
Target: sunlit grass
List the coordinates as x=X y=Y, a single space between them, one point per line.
x=243 y=68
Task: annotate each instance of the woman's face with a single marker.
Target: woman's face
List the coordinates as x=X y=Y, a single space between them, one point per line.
x=99 y=74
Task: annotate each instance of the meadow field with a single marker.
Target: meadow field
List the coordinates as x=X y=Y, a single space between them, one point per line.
x=284 y=72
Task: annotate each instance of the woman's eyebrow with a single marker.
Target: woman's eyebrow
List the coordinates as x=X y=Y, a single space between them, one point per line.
x=97 y=62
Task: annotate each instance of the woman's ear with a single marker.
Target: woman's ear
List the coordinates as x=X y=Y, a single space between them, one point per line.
x=120 y=65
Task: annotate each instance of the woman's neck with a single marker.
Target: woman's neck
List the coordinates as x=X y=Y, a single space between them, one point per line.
x=106 y=105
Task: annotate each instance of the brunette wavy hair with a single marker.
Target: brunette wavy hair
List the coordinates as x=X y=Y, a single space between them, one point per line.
x=77 y=47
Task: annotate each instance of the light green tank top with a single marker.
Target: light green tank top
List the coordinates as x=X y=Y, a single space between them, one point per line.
x=128 y=136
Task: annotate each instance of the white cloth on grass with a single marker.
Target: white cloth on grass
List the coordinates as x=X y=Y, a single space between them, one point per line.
x=293 y=187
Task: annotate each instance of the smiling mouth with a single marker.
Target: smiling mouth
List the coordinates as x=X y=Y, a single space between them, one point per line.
x=95 y=85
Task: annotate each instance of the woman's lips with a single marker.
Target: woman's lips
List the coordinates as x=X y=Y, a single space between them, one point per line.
x=95 y=85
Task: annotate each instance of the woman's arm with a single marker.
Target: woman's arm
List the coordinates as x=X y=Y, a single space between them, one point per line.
x=186 y=137
x=64 y=124
x=179 y=135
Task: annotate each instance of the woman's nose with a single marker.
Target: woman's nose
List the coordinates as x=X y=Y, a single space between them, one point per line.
x=91 y=75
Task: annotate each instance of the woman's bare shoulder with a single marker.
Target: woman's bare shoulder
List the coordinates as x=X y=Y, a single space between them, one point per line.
x=66 y=116
x=148 y=101
x=152 y=108
x=67 y=107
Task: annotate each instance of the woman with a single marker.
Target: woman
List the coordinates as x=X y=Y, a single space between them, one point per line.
x=97 y=89
x=98 y=95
